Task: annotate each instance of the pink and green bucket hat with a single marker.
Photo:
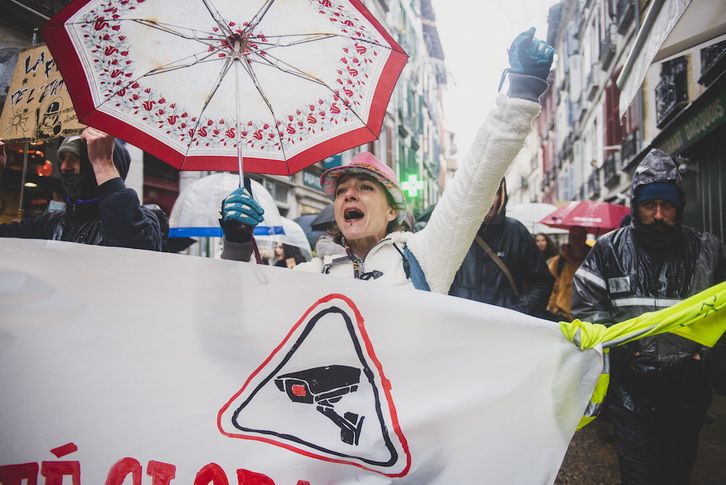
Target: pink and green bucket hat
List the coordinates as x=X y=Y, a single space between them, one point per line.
x=366 y=163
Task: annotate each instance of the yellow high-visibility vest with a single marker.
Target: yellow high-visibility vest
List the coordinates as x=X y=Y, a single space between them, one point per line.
x=701 y=318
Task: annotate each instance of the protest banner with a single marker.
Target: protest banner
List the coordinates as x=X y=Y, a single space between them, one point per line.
x=38 y=106
x=125 y=366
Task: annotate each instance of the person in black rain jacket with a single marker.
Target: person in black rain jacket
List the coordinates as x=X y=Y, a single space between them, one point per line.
x=660 y=388
x=480 y=277
x=100 y=209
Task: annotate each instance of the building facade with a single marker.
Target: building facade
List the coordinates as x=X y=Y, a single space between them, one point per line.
x=675 y=103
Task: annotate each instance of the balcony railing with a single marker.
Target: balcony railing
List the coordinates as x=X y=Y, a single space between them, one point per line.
x=582 y=114
x=548 y=178
x=711 y=54
x=581 y=21
x=629 y=147
x=610 y=174
x=607 y=49
x=624 y=13
x=567 y=145
x=593 y=185
x=593 y=82
x=671 y=94
x=713 y=62
x=565 y=84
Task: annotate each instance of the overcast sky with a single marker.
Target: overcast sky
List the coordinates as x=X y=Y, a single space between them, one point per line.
x=475 y=36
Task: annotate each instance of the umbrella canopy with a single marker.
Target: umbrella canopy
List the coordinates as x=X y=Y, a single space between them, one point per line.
x=202 y=84
x=305 y=223
x=324 y=219
x=531 y=214
x=597 y=217
x=294 y=236
x=196 y=210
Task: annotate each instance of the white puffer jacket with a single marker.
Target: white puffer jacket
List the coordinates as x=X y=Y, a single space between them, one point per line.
x=384 y=261
x=441 y=246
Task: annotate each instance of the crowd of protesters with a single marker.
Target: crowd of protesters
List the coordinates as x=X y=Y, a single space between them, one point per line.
x=661 y=386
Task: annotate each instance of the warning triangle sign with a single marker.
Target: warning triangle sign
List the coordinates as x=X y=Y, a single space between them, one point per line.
x=322 y=393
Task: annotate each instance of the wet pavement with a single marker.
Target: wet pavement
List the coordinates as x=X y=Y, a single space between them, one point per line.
x=592 y=459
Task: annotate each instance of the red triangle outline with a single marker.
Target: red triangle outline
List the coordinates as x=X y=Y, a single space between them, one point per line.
x=385 y=387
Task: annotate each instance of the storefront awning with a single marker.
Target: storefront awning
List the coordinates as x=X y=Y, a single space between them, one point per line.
x=669 y=27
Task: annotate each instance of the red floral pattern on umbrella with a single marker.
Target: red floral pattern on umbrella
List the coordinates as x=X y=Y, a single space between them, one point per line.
x=189 y=80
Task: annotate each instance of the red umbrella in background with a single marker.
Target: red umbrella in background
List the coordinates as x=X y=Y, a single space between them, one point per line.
x=597 y=217
x=202 y=84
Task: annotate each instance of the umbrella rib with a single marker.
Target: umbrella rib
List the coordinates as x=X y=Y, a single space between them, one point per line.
x=179 y=64
x=253 y=76
x=292 y=69
x=259 y=16
x=162 y=70
x=315 y=38
x=302 y=75
x=221 y=22
x=223 y=72
x=179 y=31
x=320 y=36
x=306 y=38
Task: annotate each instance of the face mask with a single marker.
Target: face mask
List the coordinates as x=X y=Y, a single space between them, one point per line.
x=56 y=205
x=72 y=184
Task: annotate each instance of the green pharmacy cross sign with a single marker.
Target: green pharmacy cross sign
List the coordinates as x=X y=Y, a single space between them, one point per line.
x=412 y=186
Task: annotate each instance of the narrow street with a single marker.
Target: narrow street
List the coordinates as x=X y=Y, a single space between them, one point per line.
x=592 y=459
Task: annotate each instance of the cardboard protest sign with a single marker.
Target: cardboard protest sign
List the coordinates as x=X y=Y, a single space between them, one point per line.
x=38 y=106
x=118 y=362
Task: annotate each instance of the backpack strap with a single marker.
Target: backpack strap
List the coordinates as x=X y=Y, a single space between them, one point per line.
x=417 y=275
x=499 y=263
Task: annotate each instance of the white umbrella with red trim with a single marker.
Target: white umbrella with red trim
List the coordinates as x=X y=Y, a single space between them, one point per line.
x=204 y=84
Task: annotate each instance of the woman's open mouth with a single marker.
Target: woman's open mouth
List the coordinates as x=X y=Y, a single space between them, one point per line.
x=351 y=215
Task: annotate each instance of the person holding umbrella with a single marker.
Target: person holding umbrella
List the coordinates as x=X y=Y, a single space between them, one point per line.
x=370 y=206
x=101 y=210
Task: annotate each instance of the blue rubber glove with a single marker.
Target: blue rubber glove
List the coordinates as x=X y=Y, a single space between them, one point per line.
x=530 y=56
x=239 y=214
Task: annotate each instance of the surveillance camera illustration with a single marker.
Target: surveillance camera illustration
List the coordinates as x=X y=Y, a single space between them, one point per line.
x=326 y=386
x=334 y=405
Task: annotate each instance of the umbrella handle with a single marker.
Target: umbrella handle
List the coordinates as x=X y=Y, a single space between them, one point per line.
x=248 y=186
x=258 y=258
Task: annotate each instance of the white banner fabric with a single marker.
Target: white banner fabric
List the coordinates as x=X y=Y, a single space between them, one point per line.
x=121 y=366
